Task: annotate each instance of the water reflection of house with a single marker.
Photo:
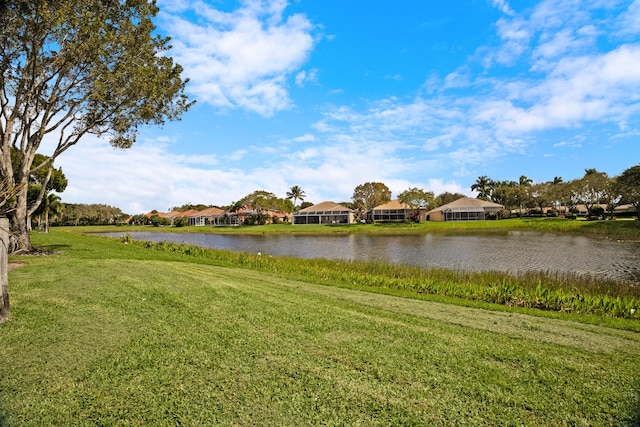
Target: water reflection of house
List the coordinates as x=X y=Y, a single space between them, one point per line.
x=324 y=213
x=465 y=209
x=396 y=211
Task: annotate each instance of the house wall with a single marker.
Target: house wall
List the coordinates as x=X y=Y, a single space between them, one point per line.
x=436 y=216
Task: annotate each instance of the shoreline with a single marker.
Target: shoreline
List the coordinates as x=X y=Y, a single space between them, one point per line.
x=627 y=231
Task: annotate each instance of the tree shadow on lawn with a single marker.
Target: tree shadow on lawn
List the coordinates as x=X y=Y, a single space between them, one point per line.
x=46 y=250
x=634 y=420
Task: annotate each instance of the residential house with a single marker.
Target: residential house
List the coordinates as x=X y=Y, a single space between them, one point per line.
x=396 y=211
x=465 y=209
x=324 y=213
x=210 y=216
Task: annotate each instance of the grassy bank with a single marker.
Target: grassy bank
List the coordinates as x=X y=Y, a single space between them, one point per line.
x=558 y=293
x=620 y=229
x=107 y=333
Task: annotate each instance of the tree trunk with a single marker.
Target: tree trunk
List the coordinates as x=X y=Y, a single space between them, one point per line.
x=19 y=223
x=4 y=268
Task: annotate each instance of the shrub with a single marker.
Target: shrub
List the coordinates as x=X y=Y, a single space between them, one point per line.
x=181 y=222
x=503 y=214
x=596 y=211
x=158 y=221
x=256 y=219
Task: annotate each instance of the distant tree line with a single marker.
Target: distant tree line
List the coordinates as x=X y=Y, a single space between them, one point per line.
x=87 y=214
x=593 y=190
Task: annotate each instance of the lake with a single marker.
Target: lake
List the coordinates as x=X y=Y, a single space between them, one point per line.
x=513 y=252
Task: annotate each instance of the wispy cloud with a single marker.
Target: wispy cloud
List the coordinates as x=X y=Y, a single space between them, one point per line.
x=503 y=6
x=306 y=76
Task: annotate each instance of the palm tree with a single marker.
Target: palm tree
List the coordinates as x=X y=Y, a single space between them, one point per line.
x=556 y=190
x=296 y=193
x=51 y=203
x=524 y=184
x=483 y=186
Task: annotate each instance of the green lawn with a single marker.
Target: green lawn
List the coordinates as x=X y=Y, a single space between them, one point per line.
x=103 y=333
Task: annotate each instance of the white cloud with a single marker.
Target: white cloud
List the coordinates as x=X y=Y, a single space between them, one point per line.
x=304 y=77
x=238 y=155
x=147 y=176
x=516 y=36
x=439 y=186
x=503 y=6
x=629 y=21
x=576 y=90
x=458 y=79
x=555 y=45
x=307 y=137
x=240 y=59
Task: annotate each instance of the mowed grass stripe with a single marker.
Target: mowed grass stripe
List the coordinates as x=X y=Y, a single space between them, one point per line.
x=167 y=342
x=516 y=325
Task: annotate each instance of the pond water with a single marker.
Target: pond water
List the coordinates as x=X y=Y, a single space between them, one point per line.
x=513 y=252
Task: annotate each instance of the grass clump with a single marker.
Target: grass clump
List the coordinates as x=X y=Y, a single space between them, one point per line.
x=104 y=333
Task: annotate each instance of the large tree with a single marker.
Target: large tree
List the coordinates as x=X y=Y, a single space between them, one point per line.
x=369 y=195
x=541 y=195
x=417 y=199
x=628 y=186
x=446 y=198
x=261 y=200
x=505 y=193
x=591 y=189
x=73 y=68
x=7 y=193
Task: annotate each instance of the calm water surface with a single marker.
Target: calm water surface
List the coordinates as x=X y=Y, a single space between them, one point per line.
x=515 y=252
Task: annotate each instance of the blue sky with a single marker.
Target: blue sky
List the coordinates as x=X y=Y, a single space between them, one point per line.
x=330 y=94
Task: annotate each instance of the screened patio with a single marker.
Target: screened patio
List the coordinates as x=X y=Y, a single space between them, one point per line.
x=324 y=213
x=470 y=213
x=465 y=209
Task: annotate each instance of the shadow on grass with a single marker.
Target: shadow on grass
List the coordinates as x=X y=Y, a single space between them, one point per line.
x=634 y=421
x=48 y=250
